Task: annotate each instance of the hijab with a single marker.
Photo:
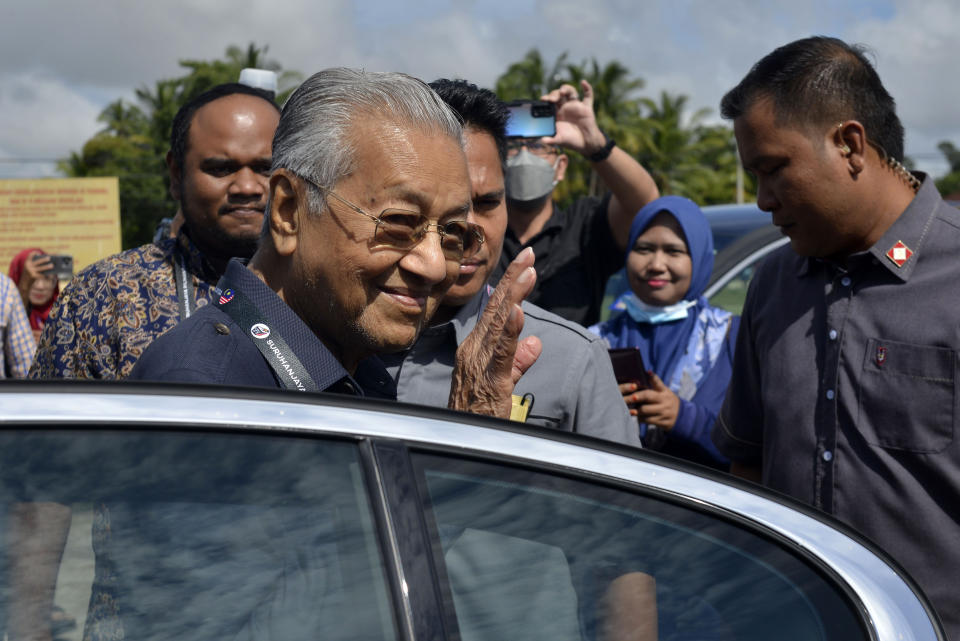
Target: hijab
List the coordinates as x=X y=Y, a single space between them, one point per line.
x=38 y=313
x=662 y=345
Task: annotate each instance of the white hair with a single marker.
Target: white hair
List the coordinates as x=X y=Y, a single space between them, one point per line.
x=313 y=137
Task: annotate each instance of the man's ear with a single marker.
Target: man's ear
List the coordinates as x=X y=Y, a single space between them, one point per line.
x=850 y=139
x=176 y=177
x=288 y=205
x=562 y=161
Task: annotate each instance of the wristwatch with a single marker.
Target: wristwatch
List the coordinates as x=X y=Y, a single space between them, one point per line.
x=604 y=152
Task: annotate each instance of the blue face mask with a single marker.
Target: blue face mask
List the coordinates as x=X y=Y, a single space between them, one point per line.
x=643 y=313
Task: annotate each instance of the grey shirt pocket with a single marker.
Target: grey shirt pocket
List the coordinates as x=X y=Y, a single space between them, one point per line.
x=907 y=396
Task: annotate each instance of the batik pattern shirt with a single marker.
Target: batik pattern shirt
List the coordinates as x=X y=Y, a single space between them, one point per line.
x=112 y=310
x=16 y=337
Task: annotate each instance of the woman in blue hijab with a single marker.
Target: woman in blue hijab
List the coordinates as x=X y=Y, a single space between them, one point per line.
x=686 y=344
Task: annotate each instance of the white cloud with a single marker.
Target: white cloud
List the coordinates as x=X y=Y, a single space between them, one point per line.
x=79 y=56
x=917 y=54
x=44 y=118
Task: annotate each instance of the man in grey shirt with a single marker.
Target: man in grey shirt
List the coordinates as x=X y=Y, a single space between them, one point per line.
x=844 y=387
x=571 y=386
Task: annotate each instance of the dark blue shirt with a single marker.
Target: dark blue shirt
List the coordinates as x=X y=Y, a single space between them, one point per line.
x=845 y=390
x=112 y=310
x=209 y=347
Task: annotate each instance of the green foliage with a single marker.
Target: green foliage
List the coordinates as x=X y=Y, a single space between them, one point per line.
x=949 y=185
x=530 y=78
x=686 y=157
x=135 y=138
x=683 y=155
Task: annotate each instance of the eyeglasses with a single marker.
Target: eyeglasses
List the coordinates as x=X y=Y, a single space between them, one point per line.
x=535 y=147
x=402 y=229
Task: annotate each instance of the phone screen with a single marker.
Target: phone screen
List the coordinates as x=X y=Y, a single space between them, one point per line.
x=628 y=366
x=531 y=119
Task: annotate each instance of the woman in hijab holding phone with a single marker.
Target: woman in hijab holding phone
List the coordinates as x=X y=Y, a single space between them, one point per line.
x=32 y=271
x=686 y=344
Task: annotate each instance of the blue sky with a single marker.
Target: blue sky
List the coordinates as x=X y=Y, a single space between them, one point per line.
x=62 y=61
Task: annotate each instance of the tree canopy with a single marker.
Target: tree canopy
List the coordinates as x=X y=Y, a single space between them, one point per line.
x=949 y=184
x=683 y=155
x=135 y=138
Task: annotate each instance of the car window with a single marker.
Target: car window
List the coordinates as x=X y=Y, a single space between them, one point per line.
x=187 y=536
x=733 y=293
x=536 y=556
x=735 y=267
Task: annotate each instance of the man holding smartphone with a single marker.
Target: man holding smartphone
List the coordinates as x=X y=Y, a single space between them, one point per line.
x=579 y=248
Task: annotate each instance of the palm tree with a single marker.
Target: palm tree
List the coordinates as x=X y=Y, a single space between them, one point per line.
x=135 y=138
x=123 y=119
x=530 y=78
x=618 y=115
x=684 y=156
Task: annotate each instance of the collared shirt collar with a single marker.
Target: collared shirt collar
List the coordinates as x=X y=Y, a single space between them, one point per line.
x=468 y=315
x=325 y=370
x=557 y=220
x=466 y=318
x=910 y=228
x=195 y=260
x=554 y=224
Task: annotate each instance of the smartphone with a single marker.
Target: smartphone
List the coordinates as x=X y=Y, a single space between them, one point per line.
x=62 y=266
x=531 y=119
x=628 y=366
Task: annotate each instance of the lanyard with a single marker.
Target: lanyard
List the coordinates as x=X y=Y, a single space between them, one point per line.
x=186 y=300
x=285 y=365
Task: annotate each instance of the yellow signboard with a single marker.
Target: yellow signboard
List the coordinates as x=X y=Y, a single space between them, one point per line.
x=75 y=216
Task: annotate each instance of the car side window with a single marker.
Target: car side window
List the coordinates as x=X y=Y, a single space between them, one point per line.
x=734 y=292
x=532 y=555
x=735 y=266
x=176 y=535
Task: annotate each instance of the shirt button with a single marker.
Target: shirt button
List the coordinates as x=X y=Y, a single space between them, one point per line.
x=833 y=334
x=845 y=281
x=222 y=329
x=830 y=394
x=827 y=456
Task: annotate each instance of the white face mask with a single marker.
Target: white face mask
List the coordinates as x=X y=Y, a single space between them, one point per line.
x=643 y=313
x=529 y=177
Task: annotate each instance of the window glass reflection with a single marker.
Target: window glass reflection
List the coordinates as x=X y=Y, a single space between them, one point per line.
x=187 y=536
x=530 y=555
x=733 y=294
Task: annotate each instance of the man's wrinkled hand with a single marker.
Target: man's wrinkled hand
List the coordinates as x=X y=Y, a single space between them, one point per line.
x=492 y=358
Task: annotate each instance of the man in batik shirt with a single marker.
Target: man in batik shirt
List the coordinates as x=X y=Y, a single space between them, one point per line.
x=219 y=163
